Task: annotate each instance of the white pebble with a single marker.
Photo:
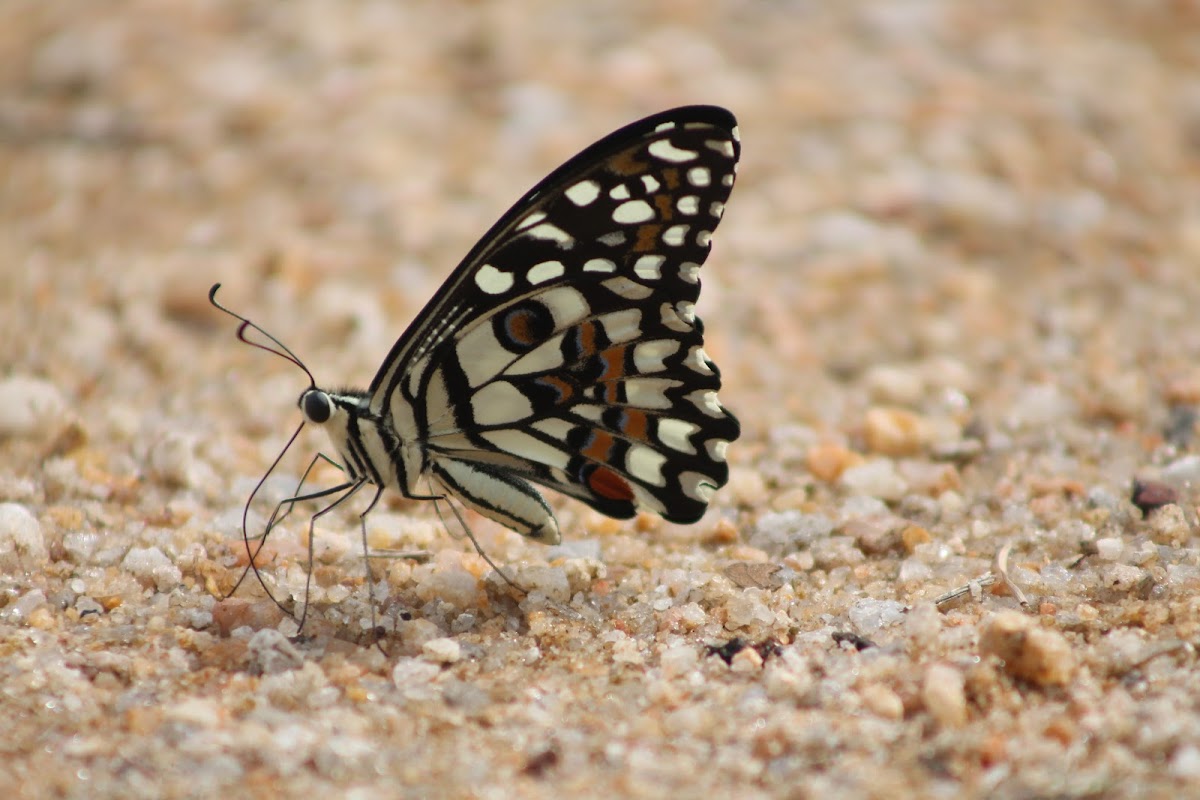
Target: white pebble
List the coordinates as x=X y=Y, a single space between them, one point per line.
x=442 y=651
x=1041 y=405
x=150 y=563
x=271 y=652
x=1185 y=763
x=173 y=460
x=875 y=478
x=1108 y=549
x=678 y=660
x=868 y=615
x=28 y=406
x=944 y=695
x=21 y=543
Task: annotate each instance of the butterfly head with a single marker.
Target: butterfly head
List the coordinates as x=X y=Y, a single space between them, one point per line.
x=316 y=405
x=321 y=407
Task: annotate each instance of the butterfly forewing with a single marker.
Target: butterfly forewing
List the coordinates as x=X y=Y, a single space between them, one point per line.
x=565 y=348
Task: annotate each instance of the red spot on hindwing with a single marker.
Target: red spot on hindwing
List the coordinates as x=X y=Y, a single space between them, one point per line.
x=606 y=483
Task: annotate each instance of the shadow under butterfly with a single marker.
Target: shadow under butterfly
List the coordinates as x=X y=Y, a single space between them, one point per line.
x=564 y=351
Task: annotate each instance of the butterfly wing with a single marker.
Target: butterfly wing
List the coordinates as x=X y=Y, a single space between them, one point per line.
x=565 y=349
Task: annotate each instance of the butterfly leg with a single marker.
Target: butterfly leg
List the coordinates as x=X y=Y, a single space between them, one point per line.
x=351 y=489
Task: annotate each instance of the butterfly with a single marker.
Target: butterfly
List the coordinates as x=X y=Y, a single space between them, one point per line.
x=564 y=351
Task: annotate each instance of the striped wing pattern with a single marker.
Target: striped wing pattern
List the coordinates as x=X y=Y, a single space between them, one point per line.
x=565 y=350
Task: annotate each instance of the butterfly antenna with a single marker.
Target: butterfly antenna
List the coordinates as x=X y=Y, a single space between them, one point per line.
x=279 y=349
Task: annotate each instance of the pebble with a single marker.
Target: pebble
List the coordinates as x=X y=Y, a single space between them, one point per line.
x=893 y=431
x=943 y=693
x=29 y=406
x=1029 y=651
x=1040 y=406
x=882 y=701
x=875 y=478
x=1169 y=525
x=270 y=652
x=827 y=462
x=869 y=615
x=1151 y=495
x=746 y=660
x=21 y=541
x=786 y=531
x=151 y=564
x=442 y=651
x=173 y=460
x=895 y=385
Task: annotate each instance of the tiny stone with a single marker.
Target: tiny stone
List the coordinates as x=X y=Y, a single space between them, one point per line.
x=678 y=660
x=869 y=616
x=151 y=564
x=888 y=384
x=1151 y=495
x=410 y=672
x=747 y=660
x=86 y=606
x=21 y=542
x=875 y=478
x=882 y=701
x=1185 y=763
x=943 y=692
x=20 y=611
x=1109 y=549
x=1182 y=471
x=894 y=431
x=29 y=406
x=442 y=651
x=1168 y=525
x=271 y=652
x=827 y=462
x=922 y=625
x=1029 y=652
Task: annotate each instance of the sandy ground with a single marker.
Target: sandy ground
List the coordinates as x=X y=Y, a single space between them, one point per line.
x=954 y=299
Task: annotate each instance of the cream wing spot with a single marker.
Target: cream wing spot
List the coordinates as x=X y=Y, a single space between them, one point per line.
x=651 y=183
x=664 y=150
x=552 y=233
x=545 y=271
x=703 y=238
x=689 y=272
x=675 y=235
x=688 y=205
x=492 y=280
x=674 y=434
x=522 y=444
x=646 y=465
x=716 y=449
x=632 y=211
x=630 y=290
x=600 y=265
x=499 y=403
x=583 y=193
x=722 y=146
x=620 y=192
x=699 y=176
x=649 y=268
x=649 y=356
x=614 y=239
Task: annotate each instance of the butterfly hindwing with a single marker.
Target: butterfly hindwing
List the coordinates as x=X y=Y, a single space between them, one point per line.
x=565 y=349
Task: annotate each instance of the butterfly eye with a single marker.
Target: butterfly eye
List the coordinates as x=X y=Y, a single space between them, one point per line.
x=316 y=406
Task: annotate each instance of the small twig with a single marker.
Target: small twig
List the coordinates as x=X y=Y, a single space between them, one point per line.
x=1001 y=567
x=973 y=587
